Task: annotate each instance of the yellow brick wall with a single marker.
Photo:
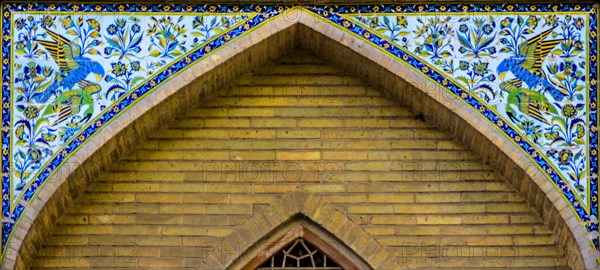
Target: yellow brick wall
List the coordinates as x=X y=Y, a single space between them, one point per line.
x=300 y=124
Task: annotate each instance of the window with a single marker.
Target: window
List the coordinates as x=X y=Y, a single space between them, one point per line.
x=300 y=254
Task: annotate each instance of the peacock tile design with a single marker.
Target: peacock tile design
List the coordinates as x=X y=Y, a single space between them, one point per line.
x=69 y=69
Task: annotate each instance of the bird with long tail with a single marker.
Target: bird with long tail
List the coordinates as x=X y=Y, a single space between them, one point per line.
x=74 y=68
x=527 y=69
x=527 y=65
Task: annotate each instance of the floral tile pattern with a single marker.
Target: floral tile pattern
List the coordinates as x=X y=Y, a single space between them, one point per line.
x=532 y=73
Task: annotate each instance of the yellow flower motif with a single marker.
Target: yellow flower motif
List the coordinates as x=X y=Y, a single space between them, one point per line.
x=227 y=37
x=594 y=198
x=577 y=7
x=98 y=123
x=593 y=105
x=534 y=154
x=212 y=8
x=144 y=8
x=398 y=8
x=463 y=95
x=499 y=123
x=34 y=185
x=549 y=171
x=82 y=138
x=593 y=34
x=5 y=105
x=443 y=8
x=330 y=9
x=352 y=9
x=325 y=13
x=420 y=8
x=98 y=8
x=236 y=8
x=189 y=8
x=258 y=8
x=425 y=69
x=510 y=7
x=465 y=8
x=64 y=153
x=593 y=58
x=385 y=45
x=6 y=14
x=488 y=8
x=153 y=83
x=5 y=152
x=5 y=197
x=5 y=61
x=207 y=49
x=116 y=109
x=593 y=10
x=266 y=15
x=517 y=138
x=246 y=26
x=482 y=109
x=576 y=204
x=280 y=9
x=405 y=57
x=593 y=82
x=594 y=152
x=167 y=8
x=5 y=128
x=6 y=37
x=121 y=7
x=188 y=60
x=376 y=8
x=593 y=128
x=134 y=96
x=555 y=8
x=75 y=7
x=445 y=82
x=367 y=35
x=532 y=8
x=346 y=24
x=52 y=7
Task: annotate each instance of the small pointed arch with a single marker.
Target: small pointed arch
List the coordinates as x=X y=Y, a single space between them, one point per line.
x=317 y=248
x=299 y=214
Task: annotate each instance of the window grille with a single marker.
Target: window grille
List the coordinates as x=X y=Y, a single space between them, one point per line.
x=300 y=255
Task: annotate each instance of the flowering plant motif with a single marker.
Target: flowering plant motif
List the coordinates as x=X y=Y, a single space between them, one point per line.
x=574 y=164
x=205 y=28
x=567 y=129
x=570 y=32
x=87 y=36
x=477 y=41
x=124 y=41
x=530 y=129
x=25 y=45
x=167 y=38
x=32 y=78
x=123 y=78
x=478 y=79
x=568 y=79
x=34 y=137
x=392 y=27
x=514 y=34
x=437 y=37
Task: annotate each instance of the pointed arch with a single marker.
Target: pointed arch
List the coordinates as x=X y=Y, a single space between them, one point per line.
x=300 y=214
x=302 y=28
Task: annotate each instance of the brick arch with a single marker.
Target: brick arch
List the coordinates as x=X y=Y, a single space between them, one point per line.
x=297 y=28
x=295 y=214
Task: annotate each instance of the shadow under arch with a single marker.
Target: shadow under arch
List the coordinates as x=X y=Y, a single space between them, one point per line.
x=268 y=42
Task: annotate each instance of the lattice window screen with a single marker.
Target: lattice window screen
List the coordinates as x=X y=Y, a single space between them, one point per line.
x=300 y=254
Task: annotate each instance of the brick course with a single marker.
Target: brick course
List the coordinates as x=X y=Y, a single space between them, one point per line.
x=212 y=175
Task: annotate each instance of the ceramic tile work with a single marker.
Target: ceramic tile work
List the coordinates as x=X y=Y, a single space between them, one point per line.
x=68 y=69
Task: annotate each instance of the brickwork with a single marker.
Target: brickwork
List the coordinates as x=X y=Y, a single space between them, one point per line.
x=300 y=124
